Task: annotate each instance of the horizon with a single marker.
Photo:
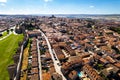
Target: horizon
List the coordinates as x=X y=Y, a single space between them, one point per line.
x=65 y=14
x=46 y=7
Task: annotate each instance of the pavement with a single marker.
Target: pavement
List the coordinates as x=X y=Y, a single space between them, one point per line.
x=13 y=30
x=6 y=36
x=9 y=33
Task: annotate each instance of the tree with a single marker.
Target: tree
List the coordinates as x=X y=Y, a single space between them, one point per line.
x=11 y=30
x=8 y=31
x=89 y=25
x=0 y=34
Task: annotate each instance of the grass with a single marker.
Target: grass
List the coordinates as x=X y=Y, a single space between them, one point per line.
x=4 y=34
x=8 y=47
x=25 y=64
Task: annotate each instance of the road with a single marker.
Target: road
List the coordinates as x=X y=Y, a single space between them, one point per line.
x=39 y=60
x=57 y=67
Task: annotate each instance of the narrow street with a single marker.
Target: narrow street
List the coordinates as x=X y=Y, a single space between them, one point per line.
x=39 y=60
x=57 y=67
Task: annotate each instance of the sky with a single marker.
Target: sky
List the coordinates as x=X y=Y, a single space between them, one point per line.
x=59 y=6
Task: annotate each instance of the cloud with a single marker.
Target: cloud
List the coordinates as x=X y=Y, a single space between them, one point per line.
x=12 y=9
x=2 y=4
x=3 y=0
x=48 y=0
x=46 y=3
x=91 y=6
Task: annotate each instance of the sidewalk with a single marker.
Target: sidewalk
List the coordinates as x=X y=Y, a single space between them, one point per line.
x=5 y=36
x=8 y=34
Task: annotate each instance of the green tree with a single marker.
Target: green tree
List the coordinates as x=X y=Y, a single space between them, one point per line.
x=8 y=31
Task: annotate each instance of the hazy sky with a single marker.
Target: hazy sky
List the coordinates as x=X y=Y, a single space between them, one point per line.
x=59 y=6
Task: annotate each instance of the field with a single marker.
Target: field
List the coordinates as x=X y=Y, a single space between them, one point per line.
x=8 y=47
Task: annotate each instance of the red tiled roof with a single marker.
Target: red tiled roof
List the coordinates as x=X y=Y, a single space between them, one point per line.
x=34 y=71
x=93 y=75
